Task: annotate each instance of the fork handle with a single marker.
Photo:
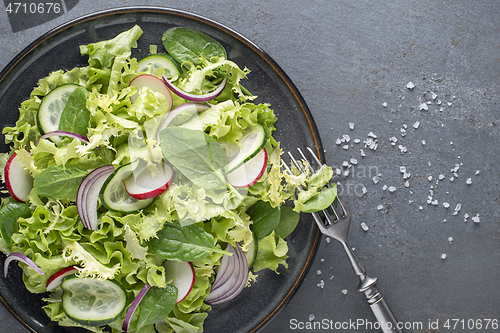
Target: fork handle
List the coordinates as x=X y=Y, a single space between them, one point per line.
x=367 y=285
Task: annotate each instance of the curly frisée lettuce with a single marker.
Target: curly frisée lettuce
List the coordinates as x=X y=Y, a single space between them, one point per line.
x=194 y=219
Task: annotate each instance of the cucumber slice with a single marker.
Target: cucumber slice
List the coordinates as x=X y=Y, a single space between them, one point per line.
x=251 y=143
x=91 y=301
x=114 y=195
x=251 y=253
x=51 y=108
x=155 y=61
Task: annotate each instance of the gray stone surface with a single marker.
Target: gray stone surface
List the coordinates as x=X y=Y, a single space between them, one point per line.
x=352 y=61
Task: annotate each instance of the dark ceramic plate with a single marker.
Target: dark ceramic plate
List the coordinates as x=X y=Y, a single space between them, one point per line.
x=59 y=49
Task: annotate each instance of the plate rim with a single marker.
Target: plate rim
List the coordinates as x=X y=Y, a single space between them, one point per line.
x=234 y=34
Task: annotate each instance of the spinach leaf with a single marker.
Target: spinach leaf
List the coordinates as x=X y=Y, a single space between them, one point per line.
x=321 y=200
x=288 y=221
x=75 y=116
x=186 y=243
x=196 y=155
x=59 y=182
x=265 y=218
x=9 y=214
x=188 y=44
x=156 y=305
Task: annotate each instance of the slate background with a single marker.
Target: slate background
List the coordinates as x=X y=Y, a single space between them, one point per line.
x=352 y=60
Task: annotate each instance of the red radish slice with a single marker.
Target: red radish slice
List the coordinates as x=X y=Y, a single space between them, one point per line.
x=56 y=279
x=250 y=172
x=19 y=257
x=133 y=307
x=193 y=97
x=88 y=194
x=18 y=179
x=153 y=83
x=62 y=133
x=182 y=275
x=181 y=114
x=143 y=185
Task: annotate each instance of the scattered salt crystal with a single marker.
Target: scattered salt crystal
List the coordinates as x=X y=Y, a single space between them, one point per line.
x=458 y=207
x=407 y=184
x=362 y=152
x=344 y=291
x=410 y=85
x=449 y=103
x=393 y=139
x=416 y=124
x=403 y=149
x=338 y=141
x=452 y=179
x=346 y=137
x=435 y=202
x=392 y=188
x=420 y=207
x=477 y=172
x=469 y=181
x=380 y=207
x=321 y=284
x=402 y=169
x=429 y=178
x=446 y=205
x=476 y=218
x=328 y=239
x=375 y=179
x=466 y=217
x=423 y=106
x=345 y=164
x=354 y=161
x=345 y=147
x=384 y=187
x=318 y=272
x=357 y=140
x=338 y=171
x=364 y=190
x=423 y=142
x=371 y=134
x=406 y=175
x=364 y=226
x=346 y=173
x=405 y=126
x=384 y=104
x=450 y=239
x=434 y=95
x=351 y=126
x=311 y=317
x=443 y=256
x=441 y=177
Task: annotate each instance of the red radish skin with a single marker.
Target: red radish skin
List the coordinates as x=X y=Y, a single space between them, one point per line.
x=182 y=275
x=56 y=279
x=153 y=83
x=250 y=172
x=18 y=179
x=142 y=185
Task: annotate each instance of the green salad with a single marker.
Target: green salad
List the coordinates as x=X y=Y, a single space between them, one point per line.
x=144 y=192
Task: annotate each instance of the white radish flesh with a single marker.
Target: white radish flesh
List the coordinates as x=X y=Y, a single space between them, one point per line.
x=250 y=172
x=182 y=275
x=18 y=179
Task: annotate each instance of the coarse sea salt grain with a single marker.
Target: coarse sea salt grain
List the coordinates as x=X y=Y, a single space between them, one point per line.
x=450 y=239
x=380 y=207
x=476 y=218
x=443 y=256
x=384 y=187
x=416 y=124
x=338 y=141
x=469 y=181
x=392 y=188
x=410 y=85
x=311 y=317
x=446 y=205
x=354 y=161
x=351 y=126
x=423 y=106
x=402 y=169
x=375 y=179
x=384 y=104
x=321 y=284
x=344 y=291
x=364 y=226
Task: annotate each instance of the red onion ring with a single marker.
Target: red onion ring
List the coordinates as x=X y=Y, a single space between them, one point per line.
x=19 y=257
x=133 y=307
x=193 y=97
x=62 y=133
x=87 y=195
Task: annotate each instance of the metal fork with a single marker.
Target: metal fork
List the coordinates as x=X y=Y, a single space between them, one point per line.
x=334 y=222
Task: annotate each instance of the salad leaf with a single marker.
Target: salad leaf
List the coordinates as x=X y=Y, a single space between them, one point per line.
x=186 y=243
x=265 y=218
x=190 y=45
x=59 y=182
x=288 y=221
x=196 y=155
x=156 y=305
x=9 y=214
x=271 y=254
x=75 y=115
x=320 y=200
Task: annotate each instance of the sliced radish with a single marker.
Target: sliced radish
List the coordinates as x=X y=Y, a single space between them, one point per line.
x=56 y=279
x=250 y=172
x=88 y=195
x=153 y=83
x=182 y=275
x=18 y=179
x=193 y=97
x=142 y=184
x=181 y=114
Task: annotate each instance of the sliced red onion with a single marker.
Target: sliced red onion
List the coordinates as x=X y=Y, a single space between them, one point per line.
x=88 y=193
x=184 y=108
x=62 y=133
x=19 y=257
x=226 y=268
x=233 y=285
x=133 y=307
x=193 y=97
